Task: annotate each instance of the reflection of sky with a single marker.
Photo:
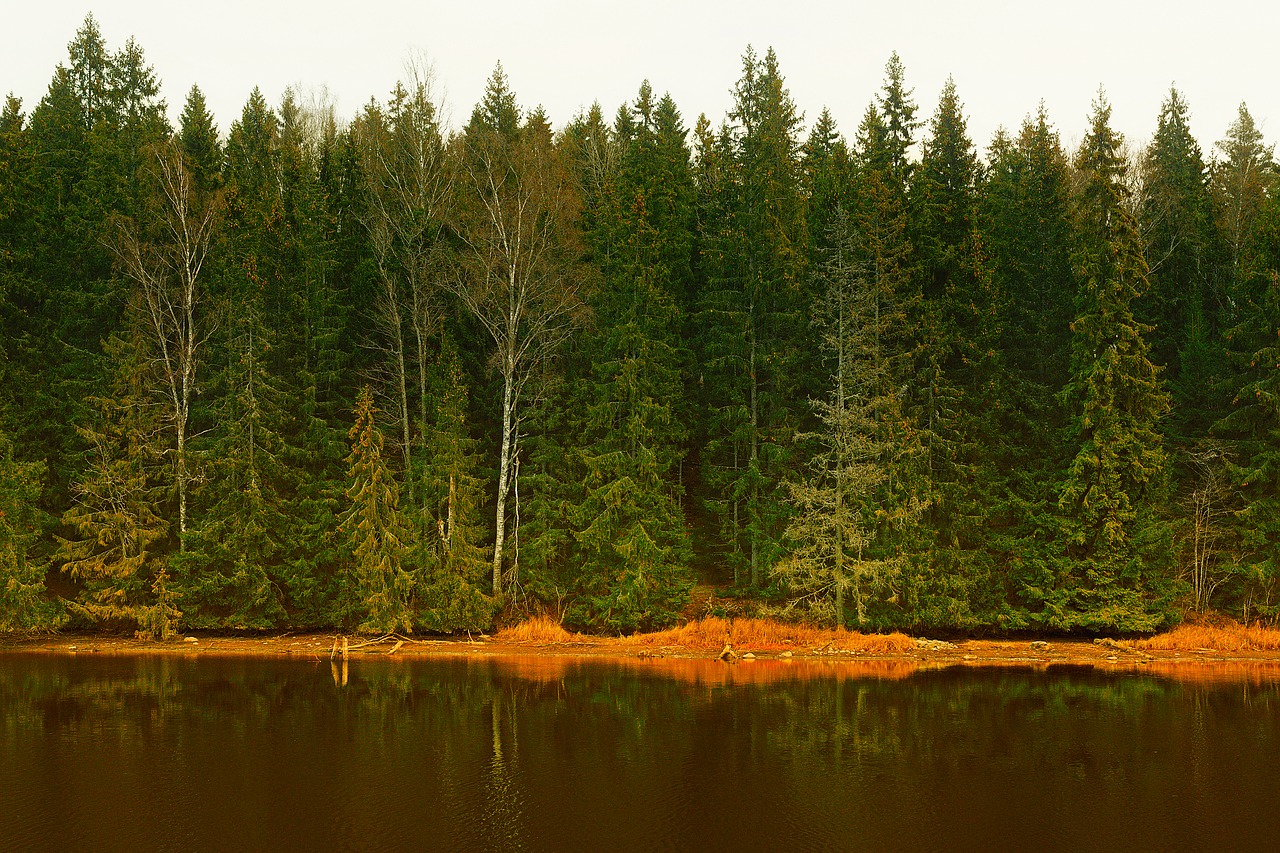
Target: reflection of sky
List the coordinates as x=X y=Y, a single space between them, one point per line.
x=1005 y=55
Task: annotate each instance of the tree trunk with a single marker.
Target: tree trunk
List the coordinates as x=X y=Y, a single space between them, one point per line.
x=504 y=476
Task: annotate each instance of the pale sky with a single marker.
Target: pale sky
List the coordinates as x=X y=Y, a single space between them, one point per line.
x=1005 y=55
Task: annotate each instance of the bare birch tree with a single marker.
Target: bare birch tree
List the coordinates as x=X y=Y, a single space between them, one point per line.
x=522 y=278
x=409 y=183
x=164 y=252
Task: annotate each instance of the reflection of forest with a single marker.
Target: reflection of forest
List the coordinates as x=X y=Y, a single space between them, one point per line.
x=493 y=754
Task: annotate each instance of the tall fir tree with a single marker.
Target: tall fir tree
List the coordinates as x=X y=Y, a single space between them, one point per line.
x=632 y=545
x=1112 y=488
x=754 y=257
x=838 y=556
x=23 y=605
x=1181 y=306
x=378 y=586
x=1026 y=221
x=118 y=536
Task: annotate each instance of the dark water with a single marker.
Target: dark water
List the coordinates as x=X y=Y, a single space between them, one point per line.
x=102 y=753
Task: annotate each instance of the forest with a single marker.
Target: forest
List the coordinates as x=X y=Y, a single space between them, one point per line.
x=376 y=373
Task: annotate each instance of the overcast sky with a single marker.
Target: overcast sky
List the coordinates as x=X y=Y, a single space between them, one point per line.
x=1005 y=55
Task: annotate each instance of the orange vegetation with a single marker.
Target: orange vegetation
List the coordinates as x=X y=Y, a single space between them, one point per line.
x=761 y=635
x=538 y=629
x=770 y=635
x=1224 y=638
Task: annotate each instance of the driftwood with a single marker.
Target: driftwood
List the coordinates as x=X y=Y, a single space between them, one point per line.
x=727 y=654
x=396 y=647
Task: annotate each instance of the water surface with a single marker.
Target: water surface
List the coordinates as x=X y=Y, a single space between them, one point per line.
x=129 y=753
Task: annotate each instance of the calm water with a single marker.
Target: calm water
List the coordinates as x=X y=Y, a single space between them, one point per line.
x=102 y=753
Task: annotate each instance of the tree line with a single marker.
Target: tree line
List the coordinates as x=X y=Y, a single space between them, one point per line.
x=380 y=374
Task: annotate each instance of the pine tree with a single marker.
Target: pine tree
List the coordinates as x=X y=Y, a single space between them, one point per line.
x=1115 y=479
x=378 y=587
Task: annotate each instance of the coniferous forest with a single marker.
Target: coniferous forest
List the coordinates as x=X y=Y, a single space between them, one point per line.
x=376 y=373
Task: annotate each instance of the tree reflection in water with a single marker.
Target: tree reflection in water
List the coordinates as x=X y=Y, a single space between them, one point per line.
x=564 y=753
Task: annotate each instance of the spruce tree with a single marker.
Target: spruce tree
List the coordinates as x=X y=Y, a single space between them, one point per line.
x=23 y=605
x=1176 y=217
x=960 y=377
x=450 y=537
x=378 y=587
x=838 y=556
x=1115 y=480
x=756 y=256
x=118 y=535
x=1026 y=222
x=632 y=546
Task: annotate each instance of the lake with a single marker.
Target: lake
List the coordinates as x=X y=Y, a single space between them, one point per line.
x=206 y=753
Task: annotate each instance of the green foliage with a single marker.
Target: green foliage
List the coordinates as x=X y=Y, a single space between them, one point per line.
x=23 y=605
x=599 y=339
x=378 y=587
x=1117 y=475
x=450 y=534
x=118 y=533
x=839 y=531
x=753 y=254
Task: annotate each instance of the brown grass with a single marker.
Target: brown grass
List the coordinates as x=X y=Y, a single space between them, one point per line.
x=1219 y=638
x=767 y=635
x=538 y=629
x=710 y=634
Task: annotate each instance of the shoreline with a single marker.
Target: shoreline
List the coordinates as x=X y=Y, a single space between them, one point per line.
x=1105 y=654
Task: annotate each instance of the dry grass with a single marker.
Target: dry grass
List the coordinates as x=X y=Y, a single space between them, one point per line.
x=710 y=634
x=1221 y=638
x=766 y=635
x=538 y=629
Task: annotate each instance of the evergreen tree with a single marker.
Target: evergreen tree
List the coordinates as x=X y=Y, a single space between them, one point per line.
x=451 y=537
x=1027 y=226
x=839 y=555
x=1113 y=483
x=632 y=545
x=118 y=532
x=1252 y=426
x=1176 y=218
x=378 y=586
x=22 y=600
x=958 y=391
x=755 y=258
x=198 y=136
x=1240 y=180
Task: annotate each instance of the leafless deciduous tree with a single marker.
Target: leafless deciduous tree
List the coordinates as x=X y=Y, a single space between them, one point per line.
x=409 y=186
x=1209 y=503
x=164 y=251
x=522 y=277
